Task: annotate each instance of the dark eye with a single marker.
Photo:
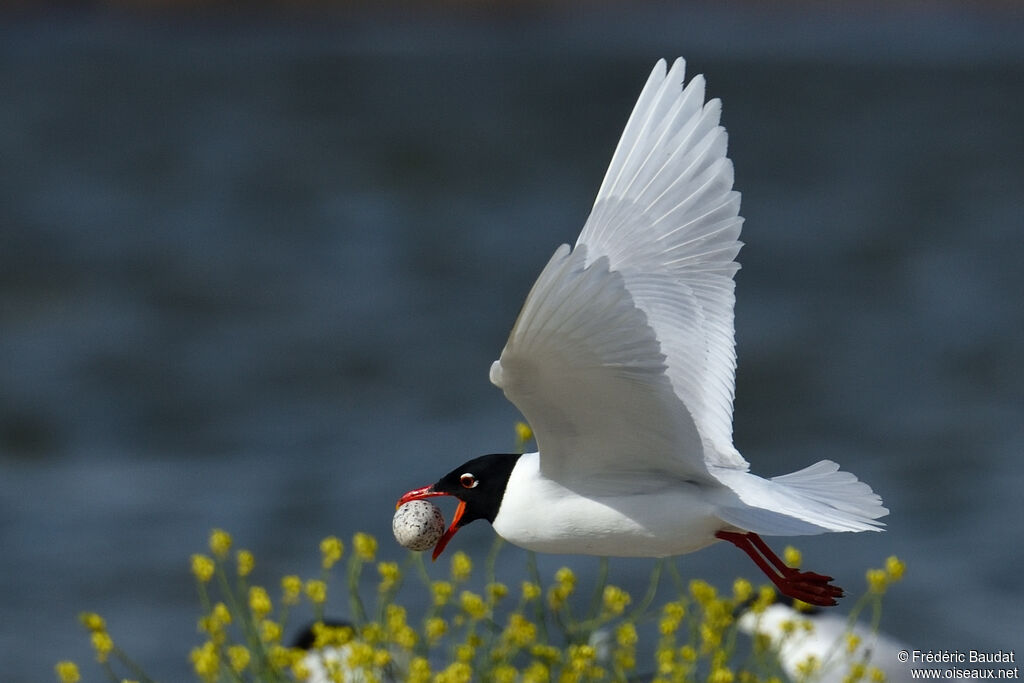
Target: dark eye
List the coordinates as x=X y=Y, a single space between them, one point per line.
x=468 y=481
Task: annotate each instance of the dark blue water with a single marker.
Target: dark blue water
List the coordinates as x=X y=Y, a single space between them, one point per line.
x=252 y=275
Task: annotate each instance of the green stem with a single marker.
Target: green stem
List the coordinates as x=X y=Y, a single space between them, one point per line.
x=597 y=599
x=355 y=569
x=492 y=559
x=538 y=604
x=652 y=590
x=109 y=671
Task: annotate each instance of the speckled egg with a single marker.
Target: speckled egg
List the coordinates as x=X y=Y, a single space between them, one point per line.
x=418 y=525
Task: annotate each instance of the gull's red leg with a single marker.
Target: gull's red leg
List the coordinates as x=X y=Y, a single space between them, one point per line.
x=812 y=588
x=783 y=568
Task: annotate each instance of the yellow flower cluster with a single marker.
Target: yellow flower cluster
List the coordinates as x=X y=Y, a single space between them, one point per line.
x=390 y=575
x=259 y=602
x=531 y=591
x=614 y=601
x=291 y=589
x=202 y=568
x=442 y=592
x=462 y=567
x=366 y=547
x=879 y=579
x=792 y=557
x=473 y=605
x=244 y=561
x=99 y=638
x=316 y=591
x=523 y=434
x=331 y=549
x=565 y=584
x=469 y=634
x=67 y=672
x=220 y=543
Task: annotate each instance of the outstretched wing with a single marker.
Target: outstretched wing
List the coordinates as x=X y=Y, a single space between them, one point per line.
x=623 y=355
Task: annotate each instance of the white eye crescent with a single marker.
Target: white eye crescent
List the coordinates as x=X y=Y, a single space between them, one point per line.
x=468 y=481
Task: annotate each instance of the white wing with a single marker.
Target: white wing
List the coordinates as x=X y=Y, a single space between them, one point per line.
x=623 y=355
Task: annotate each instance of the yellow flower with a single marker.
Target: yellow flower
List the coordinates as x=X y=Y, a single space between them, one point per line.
x=666 y=657
x=259 y=602
x=331 y=549
x=473 y=605
x=456 y=672
x=877 y=675
x=442 y=592
x=626 y=639
x=808 y=667
x=301 y=672
x=523 y=433
x=102 y=643
x=894 y=568
x=721 y=675
x=671 y=616
x=205 y=661
x=531 y=591
x=565 y=577
x=419 y=671
x=282 y=658
x=316 y=591
x=92 y=621
x=270 y=631
x=878 y=581
x=792 y=557
x=537 y=672
x=765 y=597
x=67 y=672
x=435 y=628
x=615 y=600
x=702 y=591
x=856 y=673
x=546 y=652
x=742 y=590
x=852 y=642
x=565 y=584
x=389 y=576
x=291 y=589
x=366 y=546
x=400 y=632
x=221 y=614
x=324 y=635
x=220 y=543
x=710 y=637
x=462 y=567
x=381 y=658
x=239 y=657
x=372 y=633
x=202 y=568
x=464 y=652
x=496 y=591
x=520 y=631
x=625 y=634
x=504 y=673
x=245 y=562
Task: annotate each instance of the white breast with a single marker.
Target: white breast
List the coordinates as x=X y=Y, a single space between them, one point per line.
x=633 y=515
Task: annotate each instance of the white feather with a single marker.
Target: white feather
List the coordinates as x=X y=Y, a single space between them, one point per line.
x=623 y=357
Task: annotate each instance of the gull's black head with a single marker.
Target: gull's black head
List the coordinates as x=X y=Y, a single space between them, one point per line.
x=478 y=484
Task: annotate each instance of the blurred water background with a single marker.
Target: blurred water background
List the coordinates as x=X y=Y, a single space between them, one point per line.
x=253 y=272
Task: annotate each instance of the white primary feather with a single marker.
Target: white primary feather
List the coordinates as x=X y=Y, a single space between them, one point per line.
x=623 y=357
